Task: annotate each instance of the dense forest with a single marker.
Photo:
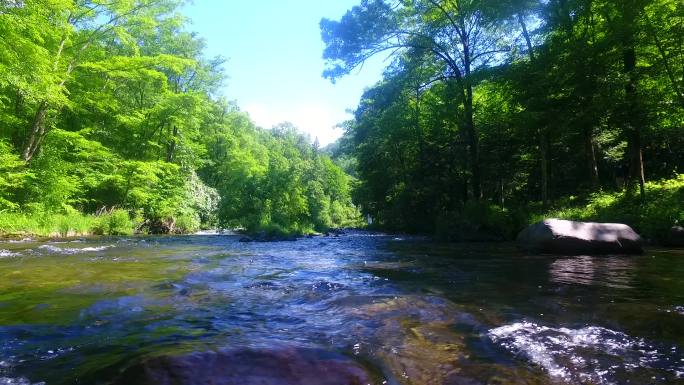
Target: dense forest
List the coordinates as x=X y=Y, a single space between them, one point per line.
x=112 y=121
x=492 y=114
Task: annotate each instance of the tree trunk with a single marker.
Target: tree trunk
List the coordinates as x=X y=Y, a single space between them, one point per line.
x=633 y=121
x=592 y=166
x=37 y=132
x=544 y=150
x=473 y=140
x=38 y=129
x=419 y=130
x=543 y=131
x=526 y=35
x=636 y=168
x=473 y=144
x=171 y=147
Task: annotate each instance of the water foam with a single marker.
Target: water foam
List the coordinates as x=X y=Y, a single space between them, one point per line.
x=7 y=253
x=18 y=381
x=5 y=368
x=23 y=240
x=69 y=250
x=590 y=354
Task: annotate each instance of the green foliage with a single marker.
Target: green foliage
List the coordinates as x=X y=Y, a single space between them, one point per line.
x=46 y=224
x=279 y=181
x=652 y=218
x=492 y=111
x=116 y=222
x=203 y=202
x=109 y=109
x=12 y=177
x=186 y=224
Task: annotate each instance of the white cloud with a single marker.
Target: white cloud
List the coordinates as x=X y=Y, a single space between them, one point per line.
x=313 y=118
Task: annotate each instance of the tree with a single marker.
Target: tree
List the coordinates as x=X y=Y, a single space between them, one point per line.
x=73 y=35
x=586 y=94
x=461 y=34
x=111 y=107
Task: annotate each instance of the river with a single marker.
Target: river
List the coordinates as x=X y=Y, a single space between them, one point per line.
x=414 y=312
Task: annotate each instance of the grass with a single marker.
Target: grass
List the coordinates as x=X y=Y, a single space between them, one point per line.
x=652 y=217
x=62 y=225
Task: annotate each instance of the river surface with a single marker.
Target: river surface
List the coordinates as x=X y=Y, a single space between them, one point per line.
x=412 y=311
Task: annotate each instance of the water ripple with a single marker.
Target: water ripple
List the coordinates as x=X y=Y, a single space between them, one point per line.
x=70 y=250
x=7 y=253
x=613 y=272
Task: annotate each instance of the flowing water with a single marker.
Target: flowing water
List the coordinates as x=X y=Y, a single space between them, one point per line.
x=412 y=311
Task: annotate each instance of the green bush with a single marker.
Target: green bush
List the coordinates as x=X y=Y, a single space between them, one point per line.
x=117 y=222
x=274 y=231
x=187 y=224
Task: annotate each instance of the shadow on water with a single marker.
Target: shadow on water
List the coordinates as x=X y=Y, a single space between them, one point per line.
x=78 y=311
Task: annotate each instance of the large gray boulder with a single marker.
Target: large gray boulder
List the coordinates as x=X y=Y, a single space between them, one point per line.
x=557 y=236
x=286 y=366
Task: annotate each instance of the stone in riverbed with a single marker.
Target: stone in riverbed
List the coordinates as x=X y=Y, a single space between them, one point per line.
x=557 y=236
x=287 y=366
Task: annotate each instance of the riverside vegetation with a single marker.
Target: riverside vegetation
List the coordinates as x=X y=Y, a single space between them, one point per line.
x=494 y=114
x=111 y=122
x=490 y=115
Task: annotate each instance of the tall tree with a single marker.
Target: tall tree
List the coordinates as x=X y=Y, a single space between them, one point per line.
x=461 y=34
x=629 y=13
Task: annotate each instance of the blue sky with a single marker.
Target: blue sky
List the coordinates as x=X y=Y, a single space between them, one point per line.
x=274 y=53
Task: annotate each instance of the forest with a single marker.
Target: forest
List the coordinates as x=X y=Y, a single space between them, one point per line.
x=490 y=115
x=494 y=114
x=112 y=122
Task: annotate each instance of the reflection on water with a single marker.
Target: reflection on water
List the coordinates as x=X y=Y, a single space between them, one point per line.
x=413 y=312
x=615 y=272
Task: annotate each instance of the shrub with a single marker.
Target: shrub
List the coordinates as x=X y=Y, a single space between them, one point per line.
x=117 y=222
x=186 y=224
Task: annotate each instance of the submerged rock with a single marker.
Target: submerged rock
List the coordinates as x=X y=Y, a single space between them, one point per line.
x=289 y=366
x=558 y=236
x=423 y=340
